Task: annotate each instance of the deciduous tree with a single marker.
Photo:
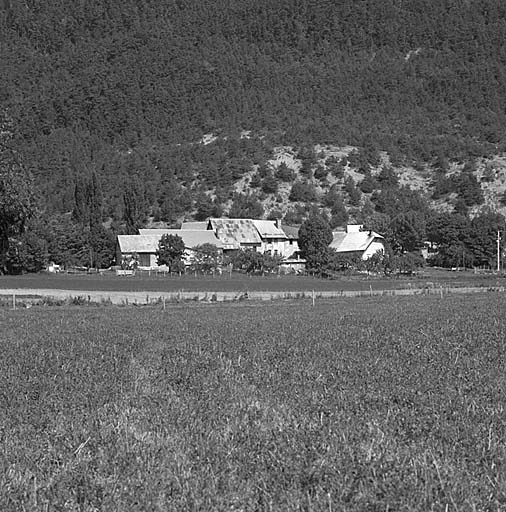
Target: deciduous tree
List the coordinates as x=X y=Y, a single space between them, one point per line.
x=315 y=237
x=170 y=252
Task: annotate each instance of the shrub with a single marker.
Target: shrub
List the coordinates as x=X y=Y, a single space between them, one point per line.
x=303 y=191
x=284 y=173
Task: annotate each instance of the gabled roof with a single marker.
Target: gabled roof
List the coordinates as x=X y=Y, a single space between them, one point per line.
x=200 y=226
x=234 y=232
x=138 y=243
x=268 y=229
x=357 y=241
x=291 y=232
x=147 y=240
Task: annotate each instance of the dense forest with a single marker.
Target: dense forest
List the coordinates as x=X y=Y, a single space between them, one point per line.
x=103 y=105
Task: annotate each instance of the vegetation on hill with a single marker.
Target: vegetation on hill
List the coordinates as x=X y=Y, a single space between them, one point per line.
x=126 y=113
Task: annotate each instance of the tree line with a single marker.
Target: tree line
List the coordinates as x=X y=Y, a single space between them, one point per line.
x=465 y=235
x=103 y=107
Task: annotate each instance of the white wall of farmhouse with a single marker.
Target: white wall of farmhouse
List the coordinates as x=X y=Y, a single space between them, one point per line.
x=374 y=247
x=279 y=246
x=273 y=245
x=290 y=246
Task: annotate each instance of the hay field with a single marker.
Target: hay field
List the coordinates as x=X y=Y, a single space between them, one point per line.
x=376 y=403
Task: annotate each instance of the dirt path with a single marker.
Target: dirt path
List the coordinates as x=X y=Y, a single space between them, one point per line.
x=147 y=297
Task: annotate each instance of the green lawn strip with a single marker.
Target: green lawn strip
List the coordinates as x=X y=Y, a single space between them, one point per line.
x=241 y=282
x=351 y=405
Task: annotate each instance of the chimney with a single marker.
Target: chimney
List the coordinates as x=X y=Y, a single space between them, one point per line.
x=218 y=232
x=278 y=223
x=354 y=228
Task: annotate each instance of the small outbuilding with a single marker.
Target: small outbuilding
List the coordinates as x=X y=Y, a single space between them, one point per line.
x=353 y=240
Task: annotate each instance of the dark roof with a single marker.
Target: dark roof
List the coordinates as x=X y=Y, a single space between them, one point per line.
x=291 y=232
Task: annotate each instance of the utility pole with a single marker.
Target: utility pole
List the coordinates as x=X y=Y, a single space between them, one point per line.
x=498 y=251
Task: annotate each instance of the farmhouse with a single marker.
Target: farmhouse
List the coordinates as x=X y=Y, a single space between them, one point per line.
x=236 y=233
x=265 y=236
x=353 y=241
x=143 y=246
x=273 y=238
x=292 y=241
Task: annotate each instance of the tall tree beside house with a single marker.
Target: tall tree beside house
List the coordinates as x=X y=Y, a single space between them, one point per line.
x=135 y=206
x=408 y=232
x=450 y=234
x=87 y=212
x=170 y=252
x=315 y=237
x=88 y=200
x=66 y=240
x=28 y=252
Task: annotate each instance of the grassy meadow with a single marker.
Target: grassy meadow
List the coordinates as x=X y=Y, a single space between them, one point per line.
x=366 y=404
x=144 y=281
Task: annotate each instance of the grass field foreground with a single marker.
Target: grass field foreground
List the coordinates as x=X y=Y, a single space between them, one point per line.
x=365 y=404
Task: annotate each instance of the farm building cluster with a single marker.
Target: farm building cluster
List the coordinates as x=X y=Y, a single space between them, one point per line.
x=227 y=235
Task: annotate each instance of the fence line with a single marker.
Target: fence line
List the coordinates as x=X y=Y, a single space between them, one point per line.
x=28 y=296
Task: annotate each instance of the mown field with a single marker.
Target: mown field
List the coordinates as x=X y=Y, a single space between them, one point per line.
x=241 y=282
x=365 y=404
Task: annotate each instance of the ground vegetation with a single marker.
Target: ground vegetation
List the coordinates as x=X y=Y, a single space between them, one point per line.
x=371 y=403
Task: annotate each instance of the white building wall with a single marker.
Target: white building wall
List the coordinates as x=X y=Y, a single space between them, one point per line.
x=274 y=245
x=374 y=247
x=282 y=246
x=290 y=248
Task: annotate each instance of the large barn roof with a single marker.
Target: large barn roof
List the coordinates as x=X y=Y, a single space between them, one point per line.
x=147 y=239
x=234 y=232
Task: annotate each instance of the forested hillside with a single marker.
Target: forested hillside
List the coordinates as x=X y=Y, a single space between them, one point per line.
x=105 y=103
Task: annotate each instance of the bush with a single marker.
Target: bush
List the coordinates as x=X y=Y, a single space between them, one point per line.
x=320 y=173
x=303 y=191
x=352 y=190
x=253 y=262
x=269 y=184
x=336 y=167
x=284 y=173
x=255 y=181
x=368 y=184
